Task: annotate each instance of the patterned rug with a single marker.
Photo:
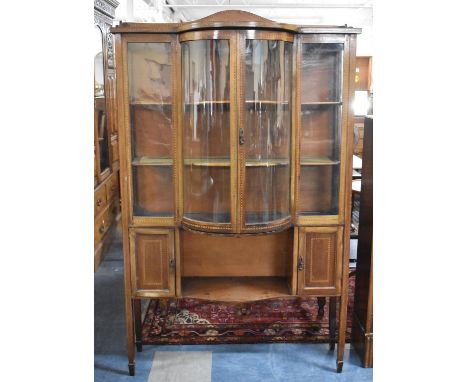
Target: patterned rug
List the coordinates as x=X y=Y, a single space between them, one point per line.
x=194 y=321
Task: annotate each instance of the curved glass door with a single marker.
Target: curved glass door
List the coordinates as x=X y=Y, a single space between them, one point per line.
x=206 y=98
x=265 y=137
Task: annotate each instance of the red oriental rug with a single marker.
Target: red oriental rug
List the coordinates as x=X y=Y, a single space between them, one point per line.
x=193 y=321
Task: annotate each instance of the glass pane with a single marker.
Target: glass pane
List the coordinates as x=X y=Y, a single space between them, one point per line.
x=321 y=72
x=267 y=130
x=206 y=129
x=150 y=96
x=321 y=110
x=320 y=132
x=151 y=195
x=149 y=72
x=317 y=187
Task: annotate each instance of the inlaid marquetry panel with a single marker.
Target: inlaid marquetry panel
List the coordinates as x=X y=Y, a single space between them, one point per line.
x=153 y=262
x=319 y=263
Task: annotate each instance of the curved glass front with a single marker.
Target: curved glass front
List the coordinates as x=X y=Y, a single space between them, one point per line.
x=206 y=130
x=267 y=131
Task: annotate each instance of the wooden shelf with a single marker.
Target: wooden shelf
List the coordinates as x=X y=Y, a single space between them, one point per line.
x=151 y=161
x=318 y=161
x=235 y=288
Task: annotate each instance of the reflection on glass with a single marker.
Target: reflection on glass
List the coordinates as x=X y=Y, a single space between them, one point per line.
x=268 y=76
x=150 y=97
x=206 y=129
x=320 y=128
x=149 y=72
x=322 y=72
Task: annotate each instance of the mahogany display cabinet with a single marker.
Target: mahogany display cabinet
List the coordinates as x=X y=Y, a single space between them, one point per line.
x=235 y=146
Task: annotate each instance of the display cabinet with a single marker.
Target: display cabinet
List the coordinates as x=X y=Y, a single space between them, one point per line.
x=106 y=158
x=235 y=149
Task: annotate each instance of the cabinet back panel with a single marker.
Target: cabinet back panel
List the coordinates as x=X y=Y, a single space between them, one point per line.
x=217 y=255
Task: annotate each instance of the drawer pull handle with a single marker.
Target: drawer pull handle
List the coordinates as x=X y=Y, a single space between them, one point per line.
x=99 y=202
x=102 y=228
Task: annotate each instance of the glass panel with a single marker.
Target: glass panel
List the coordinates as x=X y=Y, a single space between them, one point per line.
x=152 y=196
x=321 y=109
x=150 y=97
x=322 y=72
x=206 y=124
x=267 y=130
x=149 y=72
x=100 y=103
x=318 y=185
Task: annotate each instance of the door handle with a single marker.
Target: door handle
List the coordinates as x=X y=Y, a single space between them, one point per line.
x=241 y=136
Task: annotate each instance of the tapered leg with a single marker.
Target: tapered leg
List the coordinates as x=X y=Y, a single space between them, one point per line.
x=332 y=322
x=342 y=328
x=130 y=336
x=137 y=319
x=163 y=306
x=321 y=303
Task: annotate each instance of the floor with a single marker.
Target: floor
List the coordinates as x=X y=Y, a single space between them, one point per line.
x=200 y=363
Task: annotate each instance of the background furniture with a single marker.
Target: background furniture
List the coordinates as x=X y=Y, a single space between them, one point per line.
x=106 y=155
x=362 y=335
x=236 y=158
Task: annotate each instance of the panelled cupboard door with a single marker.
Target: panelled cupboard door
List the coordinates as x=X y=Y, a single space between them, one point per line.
x=320 y=260
x=153 y=262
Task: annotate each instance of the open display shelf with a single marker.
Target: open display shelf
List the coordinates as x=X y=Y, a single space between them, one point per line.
x=235 y=288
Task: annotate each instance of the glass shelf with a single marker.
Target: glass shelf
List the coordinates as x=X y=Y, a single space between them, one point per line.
x=267 y=162
x=209 y=162
x=151 y=161
x=150 y=103
x=320 y=103
x=318 y=161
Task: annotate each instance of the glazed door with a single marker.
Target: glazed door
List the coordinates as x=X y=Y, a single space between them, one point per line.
x=150 y=93
x=322 y=72
x=265 y=130
x=208 y=127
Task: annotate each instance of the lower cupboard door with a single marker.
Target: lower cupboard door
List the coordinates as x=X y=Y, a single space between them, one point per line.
x=153 y=262
x=320 y=260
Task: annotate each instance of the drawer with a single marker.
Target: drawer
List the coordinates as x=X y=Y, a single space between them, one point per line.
x=112 y=186
x=99 y=228
x=100 y=200
x=102 y=224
